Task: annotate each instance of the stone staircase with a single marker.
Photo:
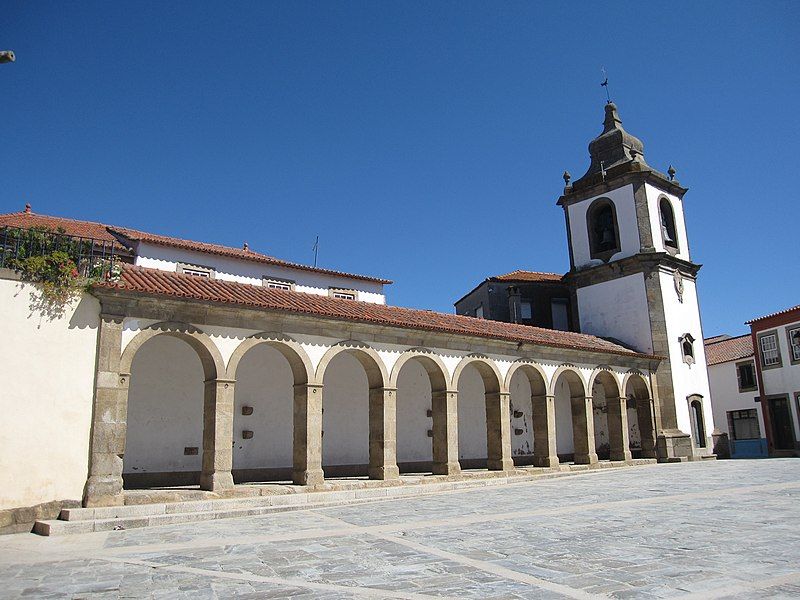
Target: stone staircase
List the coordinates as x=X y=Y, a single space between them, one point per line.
x=131 y=516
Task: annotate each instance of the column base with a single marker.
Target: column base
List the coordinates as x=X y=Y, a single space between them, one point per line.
x=673 y=445
x=313 y=477
x=448 y=468
x=550 y=462
x=503 y=464
x=384 y=473
x=626 y=455
x=103 y=491
x=586 y=459
x=217 y=481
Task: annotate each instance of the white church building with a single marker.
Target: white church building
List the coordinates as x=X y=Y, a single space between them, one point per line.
x=209 y=366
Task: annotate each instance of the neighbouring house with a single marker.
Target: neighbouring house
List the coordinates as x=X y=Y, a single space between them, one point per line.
x=194 y=364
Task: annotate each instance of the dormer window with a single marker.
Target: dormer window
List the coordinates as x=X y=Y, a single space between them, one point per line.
x=196 y=270
x=278 y=284
x=342 y=294
x=601 y=222
x=687 y=348
x=668 y=231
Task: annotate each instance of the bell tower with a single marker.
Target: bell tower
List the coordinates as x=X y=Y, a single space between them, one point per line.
x=633 y=279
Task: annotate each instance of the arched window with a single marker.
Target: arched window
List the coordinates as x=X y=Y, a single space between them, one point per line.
x=698 y=424
x=601 y=222
x=687 y=348
x=668 y=232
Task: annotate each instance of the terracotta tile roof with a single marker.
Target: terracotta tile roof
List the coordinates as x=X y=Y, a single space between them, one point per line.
x=520 y=275
x=165 y=283
x=87 y=229
x=775 y=314
x=726 y=350
x=163 y=240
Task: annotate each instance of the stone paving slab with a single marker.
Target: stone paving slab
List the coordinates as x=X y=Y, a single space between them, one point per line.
x=724 y=529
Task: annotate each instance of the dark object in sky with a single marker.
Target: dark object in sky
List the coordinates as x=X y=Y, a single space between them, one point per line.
x=7 y=56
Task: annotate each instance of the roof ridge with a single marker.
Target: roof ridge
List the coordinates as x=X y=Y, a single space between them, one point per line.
x=26 y=214
x=712 y=341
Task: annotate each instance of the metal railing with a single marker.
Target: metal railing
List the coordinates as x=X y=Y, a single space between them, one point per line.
x=93 y=258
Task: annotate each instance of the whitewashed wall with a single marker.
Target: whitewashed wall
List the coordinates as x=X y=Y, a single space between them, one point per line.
x=47 y=370
x=622 y=198
x=654 y=196
x=786 y=379
x=471 y=415
x=618 y=309
x=413 y=422
x=725 y=396
x=520 y=389
x=243 y=271
x=345 y=417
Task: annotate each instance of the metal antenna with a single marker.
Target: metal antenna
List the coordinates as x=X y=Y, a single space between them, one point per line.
x=605 y=84
x=316 y=250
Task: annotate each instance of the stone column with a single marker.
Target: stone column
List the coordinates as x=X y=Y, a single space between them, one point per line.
x=498 y=432
x=618 y=437
x=647 y=428
x=583 y=430
x=307 y=440
x=544 y=431
x=383 y=434
x=217 y=435
x=445 y=433
x=109 y=419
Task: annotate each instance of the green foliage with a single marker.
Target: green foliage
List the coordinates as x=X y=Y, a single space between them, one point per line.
x=56 y=273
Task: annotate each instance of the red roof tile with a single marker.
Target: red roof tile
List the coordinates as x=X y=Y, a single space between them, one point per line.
x=87 y=229
x=163 y=240
x=729 y=349
x=520 y=275
x=165 y=283
x=775 y=314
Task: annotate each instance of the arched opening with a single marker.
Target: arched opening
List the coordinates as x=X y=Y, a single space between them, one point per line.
x=603 y=229
x=262 y=417
x=528 y=398
x=574 y=419
x=698 y=422
x=164 y=438
x=348 y=378
x=610 y=413
x=478 y=385
x=641 y=424
x=668 y=231
x=418 y=378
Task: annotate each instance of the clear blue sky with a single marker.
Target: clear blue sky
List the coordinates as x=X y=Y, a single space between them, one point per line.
x=422 y=141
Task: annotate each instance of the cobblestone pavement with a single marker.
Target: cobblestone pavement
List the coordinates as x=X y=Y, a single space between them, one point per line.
x=700 y=530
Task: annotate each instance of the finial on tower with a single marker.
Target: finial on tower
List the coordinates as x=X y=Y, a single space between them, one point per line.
x=605 y=85
x=566 y=177
x=245 y=247
x=27 y=207
x=671 y=172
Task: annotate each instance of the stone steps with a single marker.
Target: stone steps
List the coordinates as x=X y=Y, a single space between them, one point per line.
x=131 y=516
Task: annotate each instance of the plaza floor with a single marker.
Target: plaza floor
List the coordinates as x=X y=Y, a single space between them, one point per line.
x=724 y=529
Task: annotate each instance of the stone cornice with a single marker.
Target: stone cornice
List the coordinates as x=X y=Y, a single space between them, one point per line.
x=616 y=178
x=644 y=262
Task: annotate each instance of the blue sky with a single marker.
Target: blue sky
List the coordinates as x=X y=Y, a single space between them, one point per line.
x=421 y=141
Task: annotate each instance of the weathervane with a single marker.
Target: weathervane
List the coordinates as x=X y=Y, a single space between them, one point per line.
x=605 y=84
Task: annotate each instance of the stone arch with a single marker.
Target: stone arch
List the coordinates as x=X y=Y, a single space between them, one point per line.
x=492 y=380
x=610 y=415
x=207 y=351
x=364 y=354
x=535 y=374
x=431 y=362
x=605 y=376
x=642 y=426
x=528 y=409
x=575 y=381
x=580 y=409
x=293 y=352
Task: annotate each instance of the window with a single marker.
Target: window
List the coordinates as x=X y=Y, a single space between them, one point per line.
x=479 y=311
x=793 y=336
x=770 y=352
x=342 y=294
x=278 y=284
x=559 y=308
x=743 y=424
x=698 y=423
x=687 y=348
x=525 y=311
x=196 y=270
x=601 y=222
x=668 y=232
x=746 y=374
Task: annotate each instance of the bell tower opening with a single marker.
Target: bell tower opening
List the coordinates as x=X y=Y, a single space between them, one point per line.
x=601 y=223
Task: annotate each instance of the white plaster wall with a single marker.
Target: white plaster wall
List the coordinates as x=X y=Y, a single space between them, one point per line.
x=264 y=382
x=563 y=406
x=165 y=408
x=622 y=199
x=413 y=422
x=654 y=196
x=600 y=414
x=471 y=415
x=618 y=309
x=786 y=379
x=520 y=389
x=345 y=417
x=244 y=271
x=684 y=317
x=725 y=396
x=47 y=370
x=634 y=433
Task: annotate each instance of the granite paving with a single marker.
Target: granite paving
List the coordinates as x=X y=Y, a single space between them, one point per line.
x=712 y=529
